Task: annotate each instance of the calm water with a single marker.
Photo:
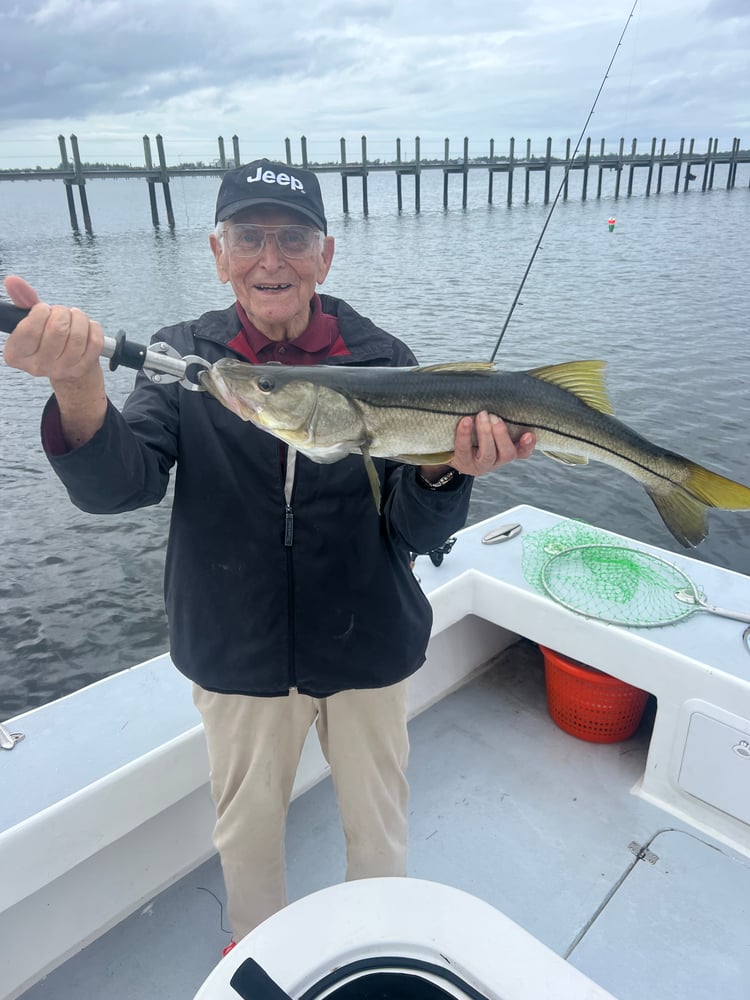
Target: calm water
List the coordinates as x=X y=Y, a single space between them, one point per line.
x=664 y=299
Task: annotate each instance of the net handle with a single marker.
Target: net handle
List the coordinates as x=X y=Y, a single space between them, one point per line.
x=703 y=605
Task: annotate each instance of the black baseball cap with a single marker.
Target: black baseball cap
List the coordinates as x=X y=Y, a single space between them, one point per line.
x=264 y=182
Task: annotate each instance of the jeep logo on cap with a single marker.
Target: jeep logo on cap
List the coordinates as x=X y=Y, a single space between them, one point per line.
x=271 y=177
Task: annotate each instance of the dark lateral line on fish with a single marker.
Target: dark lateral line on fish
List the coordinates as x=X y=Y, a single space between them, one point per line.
x=554 y=430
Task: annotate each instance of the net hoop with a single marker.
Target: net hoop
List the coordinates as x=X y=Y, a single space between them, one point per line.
x=618 y=585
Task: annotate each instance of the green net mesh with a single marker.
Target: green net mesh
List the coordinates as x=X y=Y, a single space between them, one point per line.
x=600 y=576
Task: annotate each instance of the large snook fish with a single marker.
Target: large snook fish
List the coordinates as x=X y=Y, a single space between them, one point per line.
x=410 y=415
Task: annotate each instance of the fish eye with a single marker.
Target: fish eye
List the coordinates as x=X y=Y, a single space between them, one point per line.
x=265 y=384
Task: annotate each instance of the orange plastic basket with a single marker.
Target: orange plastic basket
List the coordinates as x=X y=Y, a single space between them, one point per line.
x=590 y=704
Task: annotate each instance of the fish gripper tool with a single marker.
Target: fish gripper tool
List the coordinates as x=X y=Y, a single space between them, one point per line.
x=159 y=362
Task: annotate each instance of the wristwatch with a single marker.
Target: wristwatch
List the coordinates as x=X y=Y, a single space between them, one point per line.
x=449 y=476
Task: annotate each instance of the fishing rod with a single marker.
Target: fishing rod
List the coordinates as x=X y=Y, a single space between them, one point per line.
x=562 y=185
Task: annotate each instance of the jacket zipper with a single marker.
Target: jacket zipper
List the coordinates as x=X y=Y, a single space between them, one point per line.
x=288 y=526
x=289 y=469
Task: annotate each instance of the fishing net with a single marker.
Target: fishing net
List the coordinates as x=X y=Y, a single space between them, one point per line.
x=597 y=575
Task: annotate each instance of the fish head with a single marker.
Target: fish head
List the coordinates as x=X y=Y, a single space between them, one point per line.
x=291 y=402
x=261 y=393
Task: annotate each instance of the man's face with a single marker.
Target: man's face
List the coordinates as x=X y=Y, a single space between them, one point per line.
x=274 y=290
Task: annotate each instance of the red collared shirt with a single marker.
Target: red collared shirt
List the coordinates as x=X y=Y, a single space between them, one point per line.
x=320 y=340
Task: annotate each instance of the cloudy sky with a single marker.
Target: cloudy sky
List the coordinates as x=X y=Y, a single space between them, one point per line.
x=113 y=70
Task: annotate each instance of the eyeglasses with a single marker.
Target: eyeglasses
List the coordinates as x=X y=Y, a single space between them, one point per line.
x=247 y=240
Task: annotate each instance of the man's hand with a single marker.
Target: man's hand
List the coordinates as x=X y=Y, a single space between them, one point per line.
x=64 y=346
x=53 y=341
x=493 y=447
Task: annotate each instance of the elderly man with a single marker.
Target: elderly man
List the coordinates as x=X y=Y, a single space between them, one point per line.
x=290 y=599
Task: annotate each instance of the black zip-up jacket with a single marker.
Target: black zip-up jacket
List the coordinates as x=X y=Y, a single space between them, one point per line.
x=262 y=596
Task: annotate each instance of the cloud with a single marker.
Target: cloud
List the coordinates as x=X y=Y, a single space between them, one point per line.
x=114 y=69
x=77 y=58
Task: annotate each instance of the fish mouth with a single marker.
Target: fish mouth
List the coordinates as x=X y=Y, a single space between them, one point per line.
x=246 y=409
x=232 y=399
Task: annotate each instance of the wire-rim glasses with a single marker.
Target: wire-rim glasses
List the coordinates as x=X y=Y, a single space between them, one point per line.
x=245 y=239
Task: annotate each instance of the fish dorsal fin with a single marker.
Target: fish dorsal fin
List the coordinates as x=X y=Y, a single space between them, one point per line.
x=584 y=379
x=457 y=368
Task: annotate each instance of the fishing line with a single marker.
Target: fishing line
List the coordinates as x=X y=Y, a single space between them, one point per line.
x=562 y=185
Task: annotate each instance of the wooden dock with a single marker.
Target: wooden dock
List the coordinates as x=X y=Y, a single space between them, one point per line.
x=689 y=165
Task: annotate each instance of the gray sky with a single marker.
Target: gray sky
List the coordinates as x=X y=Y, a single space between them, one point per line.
x=113 y=70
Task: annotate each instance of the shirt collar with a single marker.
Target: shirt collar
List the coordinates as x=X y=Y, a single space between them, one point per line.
x=313 y=345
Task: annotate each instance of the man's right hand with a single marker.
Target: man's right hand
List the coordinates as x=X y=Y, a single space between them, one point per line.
x=64 y=346
x=53 y=341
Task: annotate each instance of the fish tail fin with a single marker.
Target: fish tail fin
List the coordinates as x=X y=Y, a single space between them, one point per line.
x=683 y=514
x=715 y=490
x=684 y=508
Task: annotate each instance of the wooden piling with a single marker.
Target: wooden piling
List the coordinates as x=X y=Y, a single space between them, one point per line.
x=679 y=166
x=236 y=150
x=689 y=175
x=707 y=165
x=364 y=176
x=490 y=172
x=619 y=167
x=399 y=198
x=586 y=163
x=417 y=176
x=446 y=159
x=511 y=167
x=68 y=184
x=80 y=182
x=713 y=166
x=527 y=172
x=731 y=172
x=344 y=189
x=631 y=172
x=150 y=182
x=601 y=170
x=651 y=167
x=465 y=177
x=164 y=176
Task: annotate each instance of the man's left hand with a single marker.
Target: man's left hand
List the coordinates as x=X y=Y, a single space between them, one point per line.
x=493 y=446
x=483 y=444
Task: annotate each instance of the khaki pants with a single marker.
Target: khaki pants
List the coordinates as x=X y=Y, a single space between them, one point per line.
x=254 y=747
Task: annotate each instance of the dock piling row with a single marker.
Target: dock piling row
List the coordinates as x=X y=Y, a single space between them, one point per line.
x=75 y=174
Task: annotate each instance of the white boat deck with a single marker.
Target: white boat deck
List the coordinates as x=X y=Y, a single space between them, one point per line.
x=630 y=860
x=509 y=808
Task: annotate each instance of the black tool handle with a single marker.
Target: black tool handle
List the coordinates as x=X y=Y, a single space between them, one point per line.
x=125 y=353
x=11 y=316
x=119 y=350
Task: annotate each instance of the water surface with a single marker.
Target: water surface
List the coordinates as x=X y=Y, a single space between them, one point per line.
x=664 y=299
